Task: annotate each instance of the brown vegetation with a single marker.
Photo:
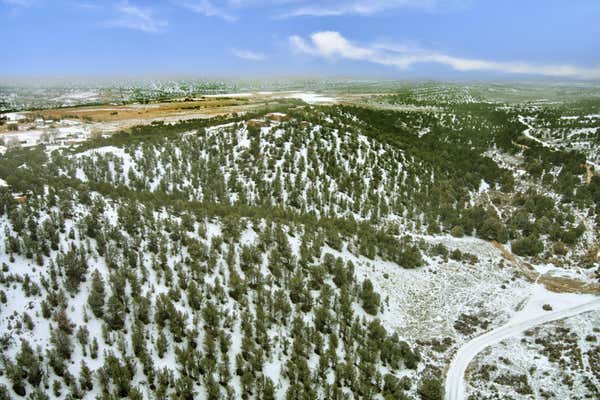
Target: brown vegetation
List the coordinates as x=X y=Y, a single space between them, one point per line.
x=110 y=113
x=553 y=283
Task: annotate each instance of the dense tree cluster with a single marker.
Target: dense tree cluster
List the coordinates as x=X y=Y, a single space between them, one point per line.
x=227 y=307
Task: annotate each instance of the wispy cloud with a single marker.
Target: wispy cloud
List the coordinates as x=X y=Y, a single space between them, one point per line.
x=332 y=45
x=17 y=3
x=87 y=5
x=231 y=9
x=248 y=55
x=367 y=7
x=134 y=17
x=206 y=8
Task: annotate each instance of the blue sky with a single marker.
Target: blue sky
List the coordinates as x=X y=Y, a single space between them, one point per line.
x=557 y=39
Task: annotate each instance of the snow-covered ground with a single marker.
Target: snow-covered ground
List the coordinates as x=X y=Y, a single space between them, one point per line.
x=573 y=137
x=48 y=135
x=573 y=272
x=556 y=360
x=13 y=116
x=527 y=132
x=533 y=314
x=311 y=97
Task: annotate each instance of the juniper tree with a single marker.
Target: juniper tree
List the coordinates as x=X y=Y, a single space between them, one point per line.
x=96 y=296
x=29 y=364
x=370 y=299
x=115 y=313
x=85 y=377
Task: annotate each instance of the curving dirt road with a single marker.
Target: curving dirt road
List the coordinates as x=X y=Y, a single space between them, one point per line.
x=455 y=385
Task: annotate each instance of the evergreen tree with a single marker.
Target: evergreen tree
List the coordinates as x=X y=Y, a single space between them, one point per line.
x=370 y=299
x=96 y=296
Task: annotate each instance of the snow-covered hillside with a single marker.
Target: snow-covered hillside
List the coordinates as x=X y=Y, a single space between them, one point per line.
x=309 y=252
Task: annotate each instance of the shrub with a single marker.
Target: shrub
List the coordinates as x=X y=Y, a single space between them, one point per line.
x=457 y=231
x=527 y=246
x=431 y=389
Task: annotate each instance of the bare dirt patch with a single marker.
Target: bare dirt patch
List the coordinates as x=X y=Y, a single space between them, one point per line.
x=554 y=283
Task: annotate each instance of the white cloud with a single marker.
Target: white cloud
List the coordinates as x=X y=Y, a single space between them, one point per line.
x=137 y=18
x=301 y=46
x=206 y=8
x=337 y=9
x=248 y=55
x=368 y=7
x=332 y=45
x=227 y=9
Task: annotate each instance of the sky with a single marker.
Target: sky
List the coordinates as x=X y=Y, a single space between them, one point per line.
x=403 y=39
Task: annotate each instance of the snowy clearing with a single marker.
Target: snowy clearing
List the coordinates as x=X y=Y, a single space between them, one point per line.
x=311 y=98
